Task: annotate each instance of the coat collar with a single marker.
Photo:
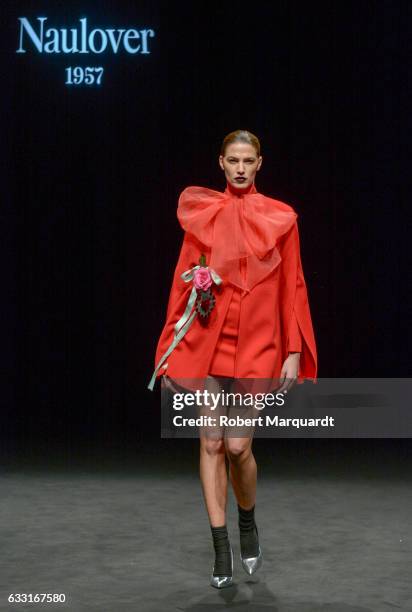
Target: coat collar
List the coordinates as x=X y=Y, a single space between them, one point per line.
x=237 y=191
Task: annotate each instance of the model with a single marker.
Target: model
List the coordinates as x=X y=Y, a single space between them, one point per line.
x=238 y=309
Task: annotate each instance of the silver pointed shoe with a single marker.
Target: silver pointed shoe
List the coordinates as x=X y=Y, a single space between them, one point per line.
x=220 y=582
x=252 y=564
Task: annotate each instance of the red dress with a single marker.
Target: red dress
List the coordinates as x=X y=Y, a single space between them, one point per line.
x=224 y=357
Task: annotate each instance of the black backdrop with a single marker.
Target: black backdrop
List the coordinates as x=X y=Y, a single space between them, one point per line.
x=91 y=178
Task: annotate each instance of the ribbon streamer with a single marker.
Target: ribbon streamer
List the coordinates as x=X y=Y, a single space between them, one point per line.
x=185 y=320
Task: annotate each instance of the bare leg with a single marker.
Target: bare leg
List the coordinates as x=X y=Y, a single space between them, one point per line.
x=243 y=470
x=213 y=476
x=213 y=472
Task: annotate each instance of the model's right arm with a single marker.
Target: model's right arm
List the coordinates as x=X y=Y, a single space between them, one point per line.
x=188 y=257
x=180 y=291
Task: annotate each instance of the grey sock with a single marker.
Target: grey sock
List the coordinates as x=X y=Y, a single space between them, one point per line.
x=249 y=541
x=223 y=557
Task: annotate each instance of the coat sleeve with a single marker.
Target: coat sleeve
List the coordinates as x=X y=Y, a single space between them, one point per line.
x=295 y=339
x=178 y=296
x=298 y=326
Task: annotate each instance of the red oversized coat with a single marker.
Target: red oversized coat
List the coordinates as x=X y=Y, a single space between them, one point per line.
x=274 y=313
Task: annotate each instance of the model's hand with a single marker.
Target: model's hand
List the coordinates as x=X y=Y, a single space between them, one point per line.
x=289 y=372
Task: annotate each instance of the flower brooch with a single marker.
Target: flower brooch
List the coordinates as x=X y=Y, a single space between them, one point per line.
x=203 y=280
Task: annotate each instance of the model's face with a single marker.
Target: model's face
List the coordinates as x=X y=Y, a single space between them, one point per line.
x=240 y=164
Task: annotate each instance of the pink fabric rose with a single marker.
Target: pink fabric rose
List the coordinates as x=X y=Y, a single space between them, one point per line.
x=202 y=279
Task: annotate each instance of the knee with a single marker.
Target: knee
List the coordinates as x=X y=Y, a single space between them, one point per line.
x=212 y=446
x=237 y=450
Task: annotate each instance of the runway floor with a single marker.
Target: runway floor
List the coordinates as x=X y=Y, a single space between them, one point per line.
x=120 y=536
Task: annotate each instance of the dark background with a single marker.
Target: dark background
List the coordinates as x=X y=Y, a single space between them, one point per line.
x=91 y=178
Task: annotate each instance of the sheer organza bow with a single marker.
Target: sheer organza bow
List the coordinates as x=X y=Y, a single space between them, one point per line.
x=236 y=227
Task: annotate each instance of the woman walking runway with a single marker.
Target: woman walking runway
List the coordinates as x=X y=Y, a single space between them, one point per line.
x=244 y=315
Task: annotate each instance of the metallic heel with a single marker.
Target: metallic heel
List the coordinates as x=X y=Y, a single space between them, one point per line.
x=252 y=564
x=220 y=582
